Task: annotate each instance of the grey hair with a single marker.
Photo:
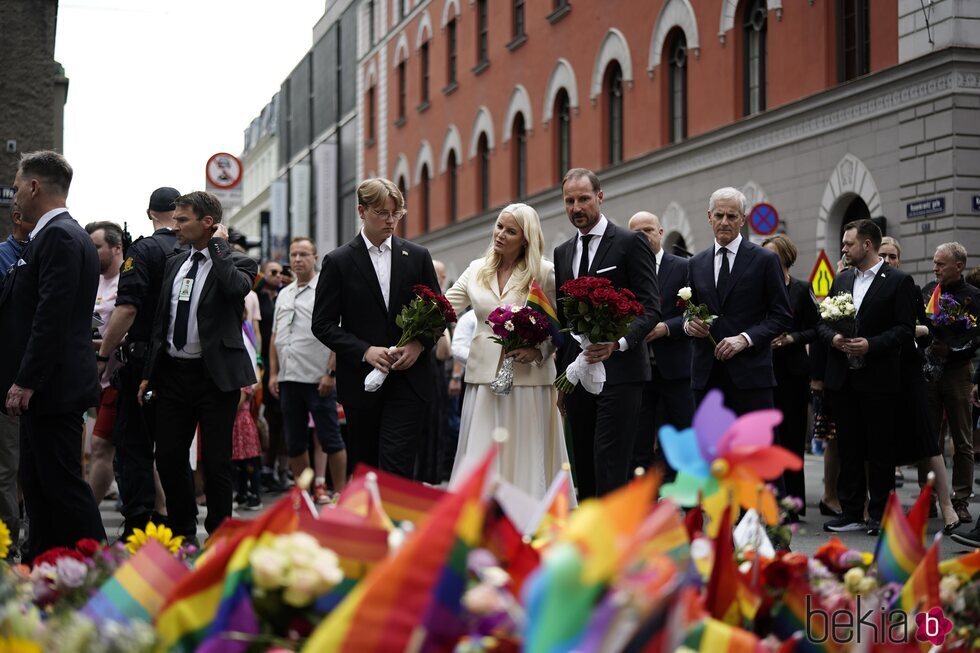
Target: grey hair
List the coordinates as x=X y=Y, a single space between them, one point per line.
x=954 y=249
x=728 y=193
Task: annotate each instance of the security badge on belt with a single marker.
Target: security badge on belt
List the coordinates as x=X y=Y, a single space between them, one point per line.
x=186 y=286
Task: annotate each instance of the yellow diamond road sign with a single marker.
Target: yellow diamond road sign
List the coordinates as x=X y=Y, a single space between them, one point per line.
x=822 y=276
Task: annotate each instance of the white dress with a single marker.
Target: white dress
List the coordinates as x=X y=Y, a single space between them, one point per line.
x=535 y=449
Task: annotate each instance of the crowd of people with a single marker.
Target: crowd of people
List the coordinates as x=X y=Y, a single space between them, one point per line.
x=209 y=379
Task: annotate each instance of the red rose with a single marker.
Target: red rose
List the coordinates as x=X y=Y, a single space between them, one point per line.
x=628 y=293
x=87 y=547
x=603 y=296
x=51 y=556
x=423 y=292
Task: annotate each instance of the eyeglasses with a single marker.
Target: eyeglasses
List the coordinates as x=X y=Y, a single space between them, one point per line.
x=392 y=215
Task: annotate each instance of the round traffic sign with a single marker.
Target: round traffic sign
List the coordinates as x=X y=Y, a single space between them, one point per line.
x=224 y=171
x=763 y=219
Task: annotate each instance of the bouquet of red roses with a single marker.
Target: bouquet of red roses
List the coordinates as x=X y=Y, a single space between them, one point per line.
x=428 y=314
x=515 y=327
x=596 y=312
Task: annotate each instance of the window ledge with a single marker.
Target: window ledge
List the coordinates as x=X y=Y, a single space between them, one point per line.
x=400 y=122
x=422 y=108
x=480 y=67
x=450 y=88
x=559 y=13
x=517 y=42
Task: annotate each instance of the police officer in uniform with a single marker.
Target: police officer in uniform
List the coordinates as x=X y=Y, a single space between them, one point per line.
x=139 y=290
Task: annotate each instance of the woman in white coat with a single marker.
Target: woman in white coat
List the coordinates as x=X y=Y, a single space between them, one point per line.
x=535 y=450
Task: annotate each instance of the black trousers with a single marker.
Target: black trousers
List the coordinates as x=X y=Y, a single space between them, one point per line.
x=60 y=504
x=383 y=431
x=603 y=428
x=739 y=400
x=665 y=401
x=864 y=425
x=132 y=436
x=792 y=396
x=186 y=398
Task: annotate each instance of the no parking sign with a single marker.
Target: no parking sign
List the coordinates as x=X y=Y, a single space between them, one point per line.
x=763 y=219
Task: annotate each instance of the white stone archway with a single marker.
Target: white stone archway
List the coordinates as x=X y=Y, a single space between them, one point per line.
x=676 y=13
x=446 y=16
x=450 y=143
x=401 y=50
x=520 y=102
x=674 y=219
x=402 y=171
x=425 y=30
x=371 y=74
x=562 y=77
x=850 y=178
x=424 y=158
x=728 y=9
x=614 y=48
x=754 y=194
x=482 y=124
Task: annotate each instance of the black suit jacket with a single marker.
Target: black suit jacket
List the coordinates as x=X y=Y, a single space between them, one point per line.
x=755 y=303
x=349 y=315
x=625 y=258
x=220 y=312
x=792 y=360
x=673 y=352
x=887 y=319
x=46 y=320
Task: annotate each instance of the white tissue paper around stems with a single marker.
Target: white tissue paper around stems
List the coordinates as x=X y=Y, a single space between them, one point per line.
x=591 y=376
x=375 y=378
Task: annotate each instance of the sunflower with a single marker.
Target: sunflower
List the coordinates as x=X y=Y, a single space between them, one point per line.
x=5 y=540
x=161 y=534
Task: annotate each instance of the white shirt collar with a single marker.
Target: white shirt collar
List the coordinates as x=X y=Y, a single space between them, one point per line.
x=206 y=252
x=598 y=228
x=660 y=257
x=732 y=246
x=872 y=271
x=385 y=243
x=312 y=282
x=45 y=219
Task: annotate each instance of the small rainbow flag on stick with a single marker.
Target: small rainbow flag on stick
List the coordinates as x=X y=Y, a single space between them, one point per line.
x=538 y=300
x=932 y=308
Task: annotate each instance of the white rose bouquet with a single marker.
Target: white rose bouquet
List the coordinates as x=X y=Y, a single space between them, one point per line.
x=841 y=314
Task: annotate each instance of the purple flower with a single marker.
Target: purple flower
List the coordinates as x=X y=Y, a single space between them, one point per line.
x=71 y=572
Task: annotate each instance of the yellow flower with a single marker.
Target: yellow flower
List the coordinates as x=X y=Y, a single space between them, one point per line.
x=161 y=534
x=5 y=541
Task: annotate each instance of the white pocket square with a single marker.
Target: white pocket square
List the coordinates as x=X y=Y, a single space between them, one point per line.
x=605 y=269
x=21 y=262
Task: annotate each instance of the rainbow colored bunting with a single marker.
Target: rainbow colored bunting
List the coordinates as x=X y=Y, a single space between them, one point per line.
x=899 y=549
x=538 y=300
x=932 y=308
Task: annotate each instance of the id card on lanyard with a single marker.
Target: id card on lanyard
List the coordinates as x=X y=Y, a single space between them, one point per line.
x=186 y=287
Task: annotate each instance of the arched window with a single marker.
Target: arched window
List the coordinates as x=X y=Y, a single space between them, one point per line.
x=754 y=59
x=424 y=197
x=371 y=116
x=452 y=177
x=852 y=39
x=482 y=32
x=518 y=19
x=613 y=94
x=563 y=133
x=402 y=92
x=424 y=87
x=483 y=170
x=370 y=20
x=519 y=136
x=403 y=187
x=451 y=52
x=677 y=86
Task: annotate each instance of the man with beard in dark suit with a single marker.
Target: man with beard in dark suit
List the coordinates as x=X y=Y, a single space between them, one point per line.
x=862 y=378
x=48 y=373
x=603 y=425
x=667 y=397
x=363 y=287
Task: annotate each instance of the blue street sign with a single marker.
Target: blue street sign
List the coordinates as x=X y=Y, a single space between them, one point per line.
x=920 y=208
x=763 y=219
x=6 y=195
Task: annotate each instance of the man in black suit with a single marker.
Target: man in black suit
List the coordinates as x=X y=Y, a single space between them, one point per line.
x=363 y=287
x=864 y=390
x=742 y=284
x=48 y=373
x=198 y=363
x=667 y=397
x=603 y=425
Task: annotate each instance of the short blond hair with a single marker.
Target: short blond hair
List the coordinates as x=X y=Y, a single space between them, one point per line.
x=374 y=193
x=306 y=239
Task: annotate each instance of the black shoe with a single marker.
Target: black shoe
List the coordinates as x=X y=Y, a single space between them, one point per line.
x=240 y=500
x=873 y=527
x=949 y=528
x=133 y=523
x=962 y=511
x=253 y=502
x=899 y=478
x=933 y=509
x=844 y=525
x=827 y=511
x=970 y=538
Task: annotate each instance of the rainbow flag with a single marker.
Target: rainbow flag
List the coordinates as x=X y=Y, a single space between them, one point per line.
x=402 y=499
x=921 y=591
x=713 y=636
x=721 y=595
x=918 y=516
x=899 y=549
x=966 y=566
x=365 y=501
x=139 y=588
x=413 y=598
x=516 y=556
x=789 y=620
x=663 y=532
x=552 y=513
x=538 y=300
x=932 y=308
x=204 y=601
x=357 y=542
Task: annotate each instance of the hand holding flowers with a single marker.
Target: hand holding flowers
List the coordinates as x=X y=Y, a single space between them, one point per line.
x=839 y=311
x=519 y=330
x=697 y=315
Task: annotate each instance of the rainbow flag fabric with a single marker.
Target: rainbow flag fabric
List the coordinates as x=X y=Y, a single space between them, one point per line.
x=538 y=300
x=932 y=308
x=921 y=591
x=713 y=636
x=402 y=499
x=789 y=620
x=899 y=549
x=966 y=566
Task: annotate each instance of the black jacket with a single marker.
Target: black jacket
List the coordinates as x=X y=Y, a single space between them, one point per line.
x=792 y=360
x=673 y=352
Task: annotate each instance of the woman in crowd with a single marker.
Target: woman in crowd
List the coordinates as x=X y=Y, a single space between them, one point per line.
x=791 y=363
x=535 y=450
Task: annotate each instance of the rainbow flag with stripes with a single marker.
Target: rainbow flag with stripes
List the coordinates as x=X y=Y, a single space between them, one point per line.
x=789 y=620
x=932 y=308
x=139 y=588
x=921 y=591
x=201 y=605
x=538 y=300
x=966 y=566
x=899 y=549
x=662 y=532
x=713 y=636
x=401 y=498
x=721 y=595
x=412 y=599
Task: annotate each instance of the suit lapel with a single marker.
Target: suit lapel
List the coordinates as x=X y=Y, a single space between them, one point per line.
x=362 y=260
x=563 y=264
x=399 y=262
x=703 y=271
x=743 y=260
x=604 y=244
x=879 y=280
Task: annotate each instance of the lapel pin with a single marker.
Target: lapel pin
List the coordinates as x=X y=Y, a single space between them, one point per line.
x=882 y=275
x=404 y=252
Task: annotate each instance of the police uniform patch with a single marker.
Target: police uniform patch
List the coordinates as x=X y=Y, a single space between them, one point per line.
x=128 y=264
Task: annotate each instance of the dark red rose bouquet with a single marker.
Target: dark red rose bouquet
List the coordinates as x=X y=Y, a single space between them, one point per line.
x=515 y=327
x=596 y=312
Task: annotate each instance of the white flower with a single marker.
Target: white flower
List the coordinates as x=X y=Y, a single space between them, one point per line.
x=515 y=309
x=948 y=587
x=531 y=319
x=685 y=293
x=71 y=572
x=509 y=325
x=302 y=586
x=268 y=567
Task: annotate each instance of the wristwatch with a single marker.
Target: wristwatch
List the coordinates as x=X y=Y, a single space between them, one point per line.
x=331 y=373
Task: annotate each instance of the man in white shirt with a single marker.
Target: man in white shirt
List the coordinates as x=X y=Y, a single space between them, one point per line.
x=302 y=376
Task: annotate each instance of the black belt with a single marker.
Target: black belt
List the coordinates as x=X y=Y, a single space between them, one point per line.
x=189 y=363
x=137 y=349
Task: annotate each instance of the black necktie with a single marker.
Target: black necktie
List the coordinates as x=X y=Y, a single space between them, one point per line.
x=583 y=263
x=724 y=273
x=184 y=307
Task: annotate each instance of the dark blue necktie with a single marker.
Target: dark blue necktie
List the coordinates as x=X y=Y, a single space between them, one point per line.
x=184 y=307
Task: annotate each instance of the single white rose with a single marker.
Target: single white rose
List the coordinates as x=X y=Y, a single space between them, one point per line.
x=531 y=319
x=685 y=293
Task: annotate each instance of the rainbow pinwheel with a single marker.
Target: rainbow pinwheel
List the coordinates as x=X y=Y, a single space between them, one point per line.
x=726 y=460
